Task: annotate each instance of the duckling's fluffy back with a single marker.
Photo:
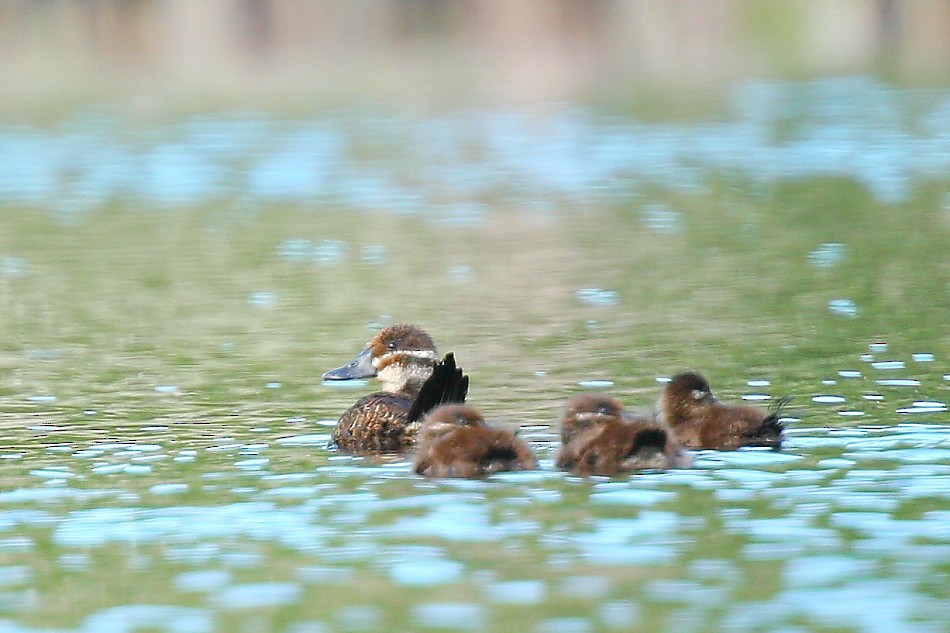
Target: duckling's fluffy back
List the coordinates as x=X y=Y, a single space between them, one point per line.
x=455 y=441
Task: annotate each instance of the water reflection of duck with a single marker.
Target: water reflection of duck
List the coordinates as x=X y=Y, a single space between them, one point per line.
x=403 y=357
x=599 y=437
x=455 y=441
x=701 y=421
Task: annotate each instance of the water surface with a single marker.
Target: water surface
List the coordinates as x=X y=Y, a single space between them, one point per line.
x=170 y=295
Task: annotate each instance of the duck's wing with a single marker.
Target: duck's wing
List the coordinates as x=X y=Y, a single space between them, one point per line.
x=447 y=384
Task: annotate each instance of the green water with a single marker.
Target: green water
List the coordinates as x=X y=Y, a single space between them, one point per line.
x=163 y=423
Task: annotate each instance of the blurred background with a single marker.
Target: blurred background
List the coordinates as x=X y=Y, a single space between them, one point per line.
x=422 y=50
x=205 y=204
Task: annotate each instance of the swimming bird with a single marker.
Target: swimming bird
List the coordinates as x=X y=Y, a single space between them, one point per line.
x=455 y=441
x=599 y=437
x=701 y=421
x=404 y=358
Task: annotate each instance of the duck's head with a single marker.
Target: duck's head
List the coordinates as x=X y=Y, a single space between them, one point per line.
x=586 y=410
x=685 y=392
x=448 y=417
x=399 y=356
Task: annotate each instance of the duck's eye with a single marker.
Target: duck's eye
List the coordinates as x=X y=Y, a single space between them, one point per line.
x=391 y=345
x=603 y=409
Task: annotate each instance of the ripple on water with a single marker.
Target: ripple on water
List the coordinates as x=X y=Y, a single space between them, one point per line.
x=202 y=580
x=619 y=614
x=888 y=364
x=359 y=618
x=584 y=587
x=827 y=255
x=169 y=489
x=308 y=626
x=632 y=496
x=810 y=571
x=828 y=399
x=898 y=382
x=688 y=592
x=316 y=575
x=895 y=607
x=843 y=307
x=650 y=540
x=13 y=575
x=923 y=406
x=454 y=616
x=315 y=439
x=425 y=571
x=516 y=592
x=596 y=384
x=452 y=522
x=128 y=618
x=597 y=297
x=258 y=595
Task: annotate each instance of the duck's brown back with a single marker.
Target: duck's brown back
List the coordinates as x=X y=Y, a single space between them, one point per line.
x=728 y=427
x=376 y=424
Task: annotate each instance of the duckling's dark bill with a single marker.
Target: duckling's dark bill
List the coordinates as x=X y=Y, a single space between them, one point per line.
x=360 y=367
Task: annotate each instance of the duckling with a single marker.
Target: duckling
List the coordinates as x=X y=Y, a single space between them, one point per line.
x=599 y=437
x=701 y=421
x=404 y=358
x=455 y=441
x=587 y=410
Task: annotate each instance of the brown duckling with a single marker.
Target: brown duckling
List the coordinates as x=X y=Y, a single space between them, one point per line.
x=701 y=421
x=455 y=441
x=403 y=357
x=599 y=437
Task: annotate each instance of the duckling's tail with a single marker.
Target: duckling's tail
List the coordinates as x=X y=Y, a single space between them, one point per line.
x=777 y=407
x=447 y=384
x=769 y=433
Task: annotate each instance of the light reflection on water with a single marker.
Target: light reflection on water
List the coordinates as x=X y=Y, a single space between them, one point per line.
x=846 y=527
x=879 y=136
x=849 y=513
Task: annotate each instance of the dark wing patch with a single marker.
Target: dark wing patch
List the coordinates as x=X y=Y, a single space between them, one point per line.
x=447 y=384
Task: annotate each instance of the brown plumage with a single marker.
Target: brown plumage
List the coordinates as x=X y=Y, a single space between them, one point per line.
x=587 y=410
x=600 y=438
x=701 y=421
x=376 y=424
x=455 y=441
x=402 y=357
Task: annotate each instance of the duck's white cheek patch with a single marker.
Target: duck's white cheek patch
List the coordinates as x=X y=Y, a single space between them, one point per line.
x=424 y=354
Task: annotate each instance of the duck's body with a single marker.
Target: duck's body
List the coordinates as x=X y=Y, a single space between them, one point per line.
x=455 y=441
x=404 y=358
x=600 y=438
x=377 y=423
x=699 y=420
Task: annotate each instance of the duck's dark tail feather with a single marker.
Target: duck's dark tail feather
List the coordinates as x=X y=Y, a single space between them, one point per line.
x=769 y=433
x=778 y=406
x=447 y=384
